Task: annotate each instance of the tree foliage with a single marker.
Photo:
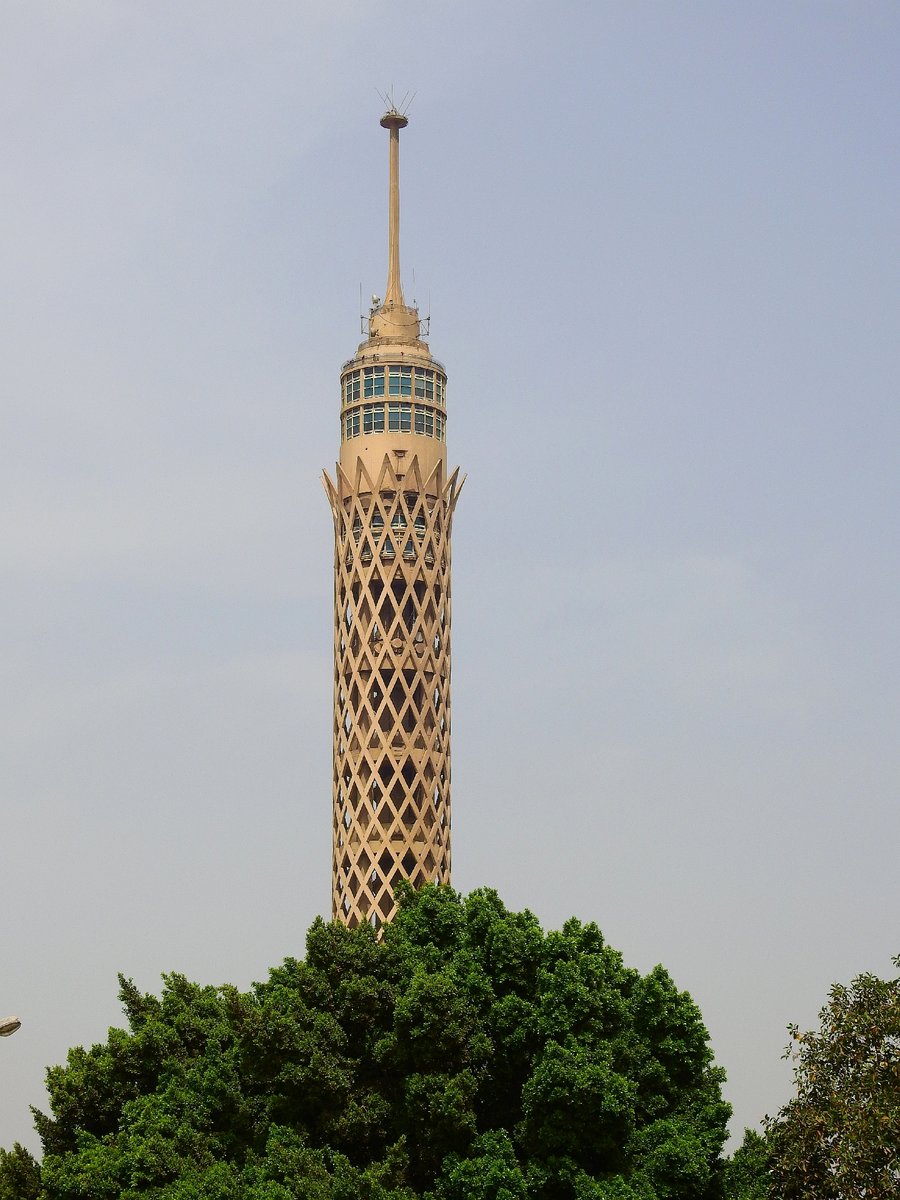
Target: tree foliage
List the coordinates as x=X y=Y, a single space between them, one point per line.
x=469 y=1055
x=20 y=1175
x=839 y=1138
x=746 y=1174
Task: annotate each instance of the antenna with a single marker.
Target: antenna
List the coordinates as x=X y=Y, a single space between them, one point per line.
x=387 y=99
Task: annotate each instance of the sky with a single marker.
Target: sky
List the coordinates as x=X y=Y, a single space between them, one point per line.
x=659 y=244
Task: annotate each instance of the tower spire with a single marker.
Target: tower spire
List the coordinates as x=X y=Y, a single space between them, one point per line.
x=394 y=121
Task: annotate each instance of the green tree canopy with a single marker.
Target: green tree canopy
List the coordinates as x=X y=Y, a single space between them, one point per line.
x=839 y=1138
x=20 y=1176
x=746 y=1175
x=468 y=1055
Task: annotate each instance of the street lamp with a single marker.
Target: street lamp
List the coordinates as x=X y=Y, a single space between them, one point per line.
x=9 y=1025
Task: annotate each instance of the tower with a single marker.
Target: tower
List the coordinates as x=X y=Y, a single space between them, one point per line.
x=392 y=501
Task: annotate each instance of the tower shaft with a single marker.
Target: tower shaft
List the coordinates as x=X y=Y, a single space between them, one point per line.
x=392 y=501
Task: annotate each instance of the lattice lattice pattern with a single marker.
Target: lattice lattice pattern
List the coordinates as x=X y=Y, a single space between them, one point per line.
x=391 y=783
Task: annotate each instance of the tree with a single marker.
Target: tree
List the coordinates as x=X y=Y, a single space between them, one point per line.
x=839 y=1138
x=20 y=1175
x=468 y=1055
x=746 y=1173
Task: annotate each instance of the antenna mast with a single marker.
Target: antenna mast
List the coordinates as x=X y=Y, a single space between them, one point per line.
x=394 y=121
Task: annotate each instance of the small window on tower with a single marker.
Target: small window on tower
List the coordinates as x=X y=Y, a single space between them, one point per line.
x=351 y=387
x=399 y=380
x=424 y=420
x=373 y=418
x=424 y=383
x=373 y=381
x=399 y=416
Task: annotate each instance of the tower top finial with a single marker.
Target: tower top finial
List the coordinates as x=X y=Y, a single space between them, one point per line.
x=394 y=118
x=395 y=113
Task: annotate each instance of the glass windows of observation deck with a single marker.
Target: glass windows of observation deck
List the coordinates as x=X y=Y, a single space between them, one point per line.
x=369 y=383
x=399 y=416
x=373 y=381
x=402 y=417
x=399 y=380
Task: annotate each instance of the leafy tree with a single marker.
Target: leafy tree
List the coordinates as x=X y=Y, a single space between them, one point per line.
x=20 y=1175
x=839 y=1138
x=466 y=1056
x=746 y=1174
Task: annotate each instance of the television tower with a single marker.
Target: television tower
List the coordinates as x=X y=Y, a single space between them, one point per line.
x=392 y=501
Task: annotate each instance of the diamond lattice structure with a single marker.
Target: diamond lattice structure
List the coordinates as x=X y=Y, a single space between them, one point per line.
x=391 y=763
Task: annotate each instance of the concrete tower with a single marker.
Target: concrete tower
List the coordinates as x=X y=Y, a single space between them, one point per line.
x=392 y=501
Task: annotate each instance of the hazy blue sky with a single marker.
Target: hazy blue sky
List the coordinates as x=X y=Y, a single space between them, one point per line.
x=660 y=243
